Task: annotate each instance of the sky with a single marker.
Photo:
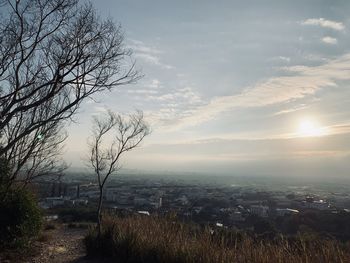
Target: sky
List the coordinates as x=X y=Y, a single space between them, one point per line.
x=233 y=87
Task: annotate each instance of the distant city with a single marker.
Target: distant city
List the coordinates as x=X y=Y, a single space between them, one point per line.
x=209 y=200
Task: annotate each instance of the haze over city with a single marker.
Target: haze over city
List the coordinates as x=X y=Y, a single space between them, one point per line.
x=258 y=88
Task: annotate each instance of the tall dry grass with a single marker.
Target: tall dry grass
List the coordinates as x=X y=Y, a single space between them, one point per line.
x=154 y=239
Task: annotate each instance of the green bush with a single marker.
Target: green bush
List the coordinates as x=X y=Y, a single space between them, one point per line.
x=20 y=218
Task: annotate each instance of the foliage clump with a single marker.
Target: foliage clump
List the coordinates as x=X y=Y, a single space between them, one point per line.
x=20 y=216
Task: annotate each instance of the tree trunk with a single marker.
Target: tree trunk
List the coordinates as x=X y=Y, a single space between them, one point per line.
x=99 y=213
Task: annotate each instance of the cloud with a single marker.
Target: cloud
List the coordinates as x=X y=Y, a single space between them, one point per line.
x=147 y=53
x=163 y=102
x=152 y=59
x=339 y=128
x=301 y=81
x=281 y=58
x=176 y=104
x=293 y=109
x=212 y=149
x=150 y=88
x=99 y=109
x=330 y=40
x=155 y=84
x=324 y=23
x=142 y=91
x=140 y=47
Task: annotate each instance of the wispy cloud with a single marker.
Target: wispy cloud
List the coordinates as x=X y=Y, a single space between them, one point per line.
x=152 y=59
x=186 y=94
x=174 y=105
x=148 y=53
x=293 y=109
x=163 y=102
x=148 y=89
x=141 y=47
x=142 y=91
x=255 y=149
x=300 y=82
x=324 y=23
x=154 y=84
x=281 y=58
x=100 y=109
x=330 y=40
x=339 y=128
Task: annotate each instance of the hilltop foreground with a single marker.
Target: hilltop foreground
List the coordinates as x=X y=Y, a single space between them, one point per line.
x=152 y=239
x=143 y=239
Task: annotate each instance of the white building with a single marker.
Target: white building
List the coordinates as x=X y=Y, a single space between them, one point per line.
x=143 y=213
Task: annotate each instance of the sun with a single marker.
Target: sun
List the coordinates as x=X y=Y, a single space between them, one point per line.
x=309 y=128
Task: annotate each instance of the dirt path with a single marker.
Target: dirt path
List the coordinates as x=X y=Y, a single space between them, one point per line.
x=62 y=245
x=58 y=245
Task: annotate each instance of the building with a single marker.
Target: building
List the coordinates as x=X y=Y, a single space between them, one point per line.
x=286 y=211
x=139 y=201
x=183 y=200
x=143 y=213
x=79 y=201
x=259 y=210
x=236 y=216
x=319 y=205
x=50 y=202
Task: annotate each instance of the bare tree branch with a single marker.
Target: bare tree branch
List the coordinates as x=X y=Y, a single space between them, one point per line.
x=124 y=135
x=54 y=54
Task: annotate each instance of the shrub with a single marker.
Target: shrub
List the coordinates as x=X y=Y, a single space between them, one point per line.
x=79 y=214
x=4 y=175
x=20 y=219
x=82 y=225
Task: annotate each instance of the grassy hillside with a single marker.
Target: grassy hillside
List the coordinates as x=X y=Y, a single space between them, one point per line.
x=153 y=239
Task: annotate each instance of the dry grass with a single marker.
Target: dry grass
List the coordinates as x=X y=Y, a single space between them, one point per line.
x=153 y=239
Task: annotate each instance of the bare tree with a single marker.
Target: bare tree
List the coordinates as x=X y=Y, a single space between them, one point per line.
x=53 y=55
x=37 y=154
x=124 y=134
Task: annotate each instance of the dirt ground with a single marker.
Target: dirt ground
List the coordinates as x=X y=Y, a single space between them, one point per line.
x=58 y=245
x=62 y=244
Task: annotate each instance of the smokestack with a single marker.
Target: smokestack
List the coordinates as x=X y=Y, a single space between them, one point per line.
x=160 y=202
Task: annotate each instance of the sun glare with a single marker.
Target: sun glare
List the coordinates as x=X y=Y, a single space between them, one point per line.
x=310 y=128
